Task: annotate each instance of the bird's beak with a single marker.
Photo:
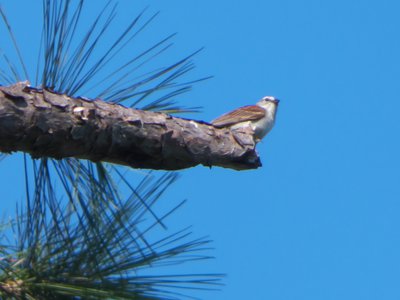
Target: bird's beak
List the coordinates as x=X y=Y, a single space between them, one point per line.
x=276 y=101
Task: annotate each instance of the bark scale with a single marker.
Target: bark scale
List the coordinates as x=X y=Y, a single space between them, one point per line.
x=46 y=124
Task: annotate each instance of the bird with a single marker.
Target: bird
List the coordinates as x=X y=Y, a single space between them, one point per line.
x=259 y=117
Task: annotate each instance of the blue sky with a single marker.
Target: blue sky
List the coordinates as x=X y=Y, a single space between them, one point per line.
x=320 y=219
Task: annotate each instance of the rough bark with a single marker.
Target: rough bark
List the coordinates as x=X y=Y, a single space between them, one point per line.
x=47 y=124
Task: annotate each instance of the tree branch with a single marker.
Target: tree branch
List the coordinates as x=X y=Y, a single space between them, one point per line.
x=46 y=124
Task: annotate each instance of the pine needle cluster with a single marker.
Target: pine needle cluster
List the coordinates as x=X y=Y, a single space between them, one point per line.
x=77 y=236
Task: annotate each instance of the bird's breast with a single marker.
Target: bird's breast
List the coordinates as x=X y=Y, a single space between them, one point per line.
x=263 y=126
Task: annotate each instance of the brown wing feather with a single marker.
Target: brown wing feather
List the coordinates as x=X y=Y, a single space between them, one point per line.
x=243 y=114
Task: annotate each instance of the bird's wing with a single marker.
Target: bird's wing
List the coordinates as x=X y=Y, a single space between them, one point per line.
x=243 y=114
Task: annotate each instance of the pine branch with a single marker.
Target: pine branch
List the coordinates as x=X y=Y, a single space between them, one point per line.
x=78 y=236
x=47 y=124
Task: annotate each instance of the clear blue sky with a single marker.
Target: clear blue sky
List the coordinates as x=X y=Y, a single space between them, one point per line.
x=320 y=219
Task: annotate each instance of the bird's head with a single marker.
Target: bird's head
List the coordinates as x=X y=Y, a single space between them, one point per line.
x=268 y=102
